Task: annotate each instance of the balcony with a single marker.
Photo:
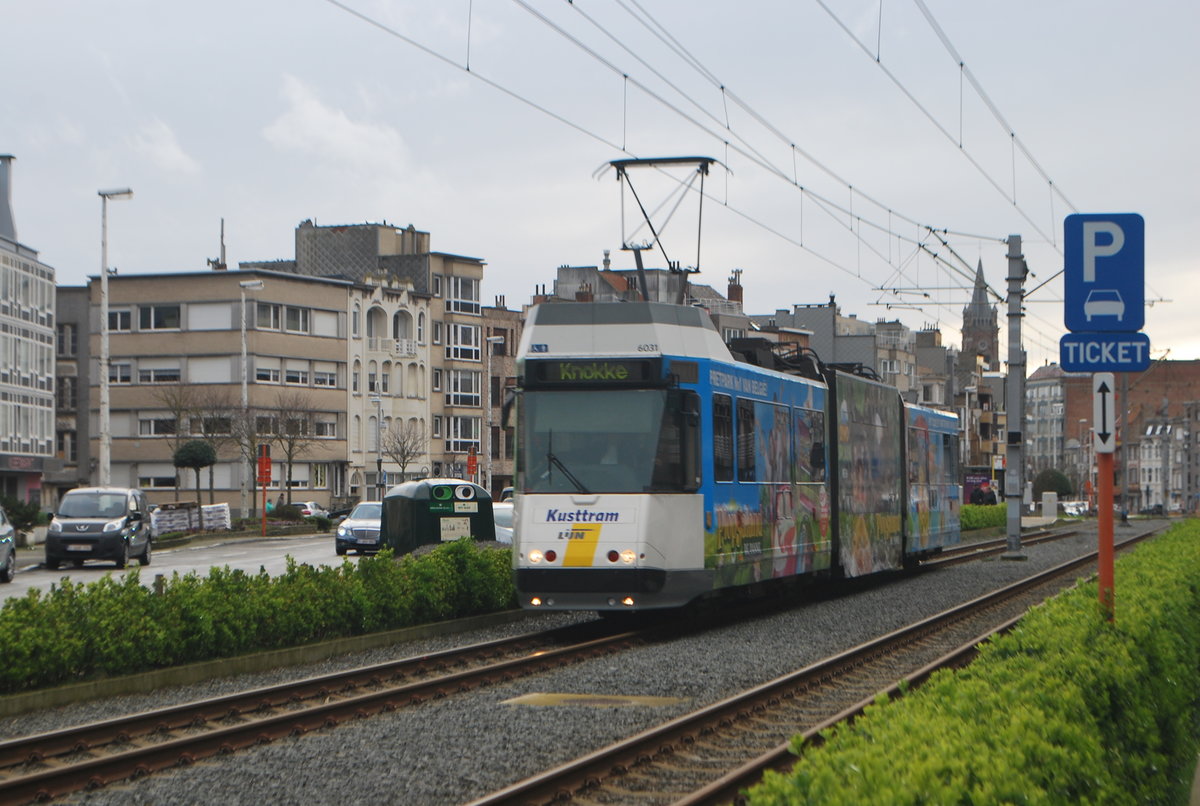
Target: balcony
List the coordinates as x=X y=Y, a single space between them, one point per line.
x=398 y=348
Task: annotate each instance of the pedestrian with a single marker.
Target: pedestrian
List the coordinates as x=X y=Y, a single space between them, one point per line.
x=983 y=495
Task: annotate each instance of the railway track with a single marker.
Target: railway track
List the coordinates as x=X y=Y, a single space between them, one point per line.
x=709 y=756
x=46 y=766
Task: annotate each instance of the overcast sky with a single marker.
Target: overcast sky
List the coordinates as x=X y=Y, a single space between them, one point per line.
x=484 y=123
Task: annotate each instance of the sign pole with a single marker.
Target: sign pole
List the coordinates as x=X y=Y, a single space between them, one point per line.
x=1104 y=438
x=1104 y=468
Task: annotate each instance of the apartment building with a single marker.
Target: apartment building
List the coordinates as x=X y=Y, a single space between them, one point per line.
x=27 y=323
x=388 y=398
x=176 y=373
x=453 y=325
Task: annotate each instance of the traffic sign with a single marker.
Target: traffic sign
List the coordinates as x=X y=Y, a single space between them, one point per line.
x=1104 y=352
x=1104 y=412
x=1104 y=272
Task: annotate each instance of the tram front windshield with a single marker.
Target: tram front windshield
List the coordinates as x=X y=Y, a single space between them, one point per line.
x=601 y=441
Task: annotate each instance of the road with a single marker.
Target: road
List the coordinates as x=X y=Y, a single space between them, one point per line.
x=246 y=553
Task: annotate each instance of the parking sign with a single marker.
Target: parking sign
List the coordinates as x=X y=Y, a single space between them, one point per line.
x=1104 y=272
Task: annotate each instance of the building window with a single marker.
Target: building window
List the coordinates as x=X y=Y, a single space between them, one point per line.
x=120 y=372
x=64 y=397
x=421 y=328
x=437 y=285
x=372 y=383
x=462 y=434
x=266 y=374
x=437 y=426
x=437 y=332
x=120 y=321
x=166 y=375
x=355 y=317
x=159 y=317
x=325 y=379
x=156 y=426
x=319 y=476
x=463 y=296
x=66 y=446
x=67 y=340
x=463 y=342
x=464 y=388
x=296 y=320
x=267 y=316
x=437 y=380
x=326 y=428
x=296 y=377
x=156 y=482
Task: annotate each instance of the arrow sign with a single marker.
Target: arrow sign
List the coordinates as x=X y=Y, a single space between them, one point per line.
x=1104 y=412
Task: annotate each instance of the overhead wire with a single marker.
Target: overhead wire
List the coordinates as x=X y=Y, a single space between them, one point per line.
x=828 y=206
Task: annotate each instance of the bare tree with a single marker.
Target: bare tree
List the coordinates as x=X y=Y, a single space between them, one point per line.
x=248 y=429
x=213 y=422
x=293 y=432
x=405 y=442
x=180 y=401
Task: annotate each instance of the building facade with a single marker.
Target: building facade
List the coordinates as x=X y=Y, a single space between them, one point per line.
x=27 y=332
x=176 y=374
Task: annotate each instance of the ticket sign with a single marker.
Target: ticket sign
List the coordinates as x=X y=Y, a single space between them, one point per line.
x=1104 y=352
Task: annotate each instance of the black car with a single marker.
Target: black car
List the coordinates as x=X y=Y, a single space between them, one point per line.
x=8 y=548
x=100 y=523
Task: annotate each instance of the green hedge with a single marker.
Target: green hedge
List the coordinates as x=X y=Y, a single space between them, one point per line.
x=117 y=626
x=975 y=516
x=1065 y=709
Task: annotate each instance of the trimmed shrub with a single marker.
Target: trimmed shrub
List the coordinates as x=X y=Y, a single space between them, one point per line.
x=117 y=626
x=976 y=516
x=1067 y=708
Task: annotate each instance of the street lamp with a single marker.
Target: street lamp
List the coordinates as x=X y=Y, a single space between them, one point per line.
x=487 y=458
x=378 y=401
x=105 y=404
x=246 y=285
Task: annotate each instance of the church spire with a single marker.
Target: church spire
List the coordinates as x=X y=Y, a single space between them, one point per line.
x=979 y=299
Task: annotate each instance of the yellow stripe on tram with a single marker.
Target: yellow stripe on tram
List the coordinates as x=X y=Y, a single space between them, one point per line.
x=581 y=548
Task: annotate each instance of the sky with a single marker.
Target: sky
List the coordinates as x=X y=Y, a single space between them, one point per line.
x=875 y=151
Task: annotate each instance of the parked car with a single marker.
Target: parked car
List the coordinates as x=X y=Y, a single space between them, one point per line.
x=506 y=494
x=311 y=509
x=360 y=530
x=503 y=514
x=100 y=523
x=8 y=548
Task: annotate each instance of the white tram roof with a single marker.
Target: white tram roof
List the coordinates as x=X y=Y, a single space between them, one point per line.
x=644 y=329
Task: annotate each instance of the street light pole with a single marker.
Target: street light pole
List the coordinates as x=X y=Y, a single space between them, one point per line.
x=105 y=403
x=246 y=285
x=378 y=401
x=487 y=459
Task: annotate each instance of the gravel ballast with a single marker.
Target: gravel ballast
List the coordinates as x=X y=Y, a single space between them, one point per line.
x=455 y=750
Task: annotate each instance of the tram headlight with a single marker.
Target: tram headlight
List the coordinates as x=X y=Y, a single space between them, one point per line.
x=628 y=556
x=535 y=556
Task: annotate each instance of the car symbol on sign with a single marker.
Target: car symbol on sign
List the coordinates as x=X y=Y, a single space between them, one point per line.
x=1104 y=302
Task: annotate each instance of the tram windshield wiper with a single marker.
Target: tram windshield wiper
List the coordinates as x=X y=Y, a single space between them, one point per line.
x=554 y=461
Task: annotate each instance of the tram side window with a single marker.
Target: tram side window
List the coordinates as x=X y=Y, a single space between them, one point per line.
x=722 y=438
x=810 y=445
x=746 y=470
x=949 y=459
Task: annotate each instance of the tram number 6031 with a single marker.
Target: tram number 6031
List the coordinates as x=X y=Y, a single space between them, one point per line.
x=647 y=348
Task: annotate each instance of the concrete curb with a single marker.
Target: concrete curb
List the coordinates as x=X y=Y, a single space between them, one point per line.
x=13 y=704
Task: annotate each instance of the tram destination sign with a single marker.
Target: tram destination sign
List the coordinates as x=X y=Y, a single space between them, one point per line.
x=590 y=372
